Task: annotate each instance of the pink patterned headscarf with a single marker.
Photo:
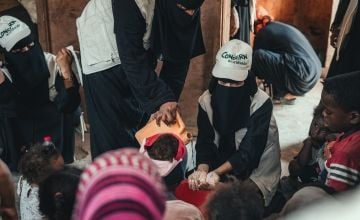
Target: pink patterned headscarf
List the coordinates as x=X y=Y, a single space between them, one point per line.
x=120 y=184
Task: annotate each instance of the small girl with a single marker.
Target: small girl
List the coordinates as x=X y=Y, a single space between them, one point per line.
x=36 y=164
x=57 y=193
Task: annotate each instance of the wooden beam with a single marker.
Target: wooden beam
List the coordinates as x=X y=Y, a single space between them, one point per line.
x=43 y=24
x=225 y=21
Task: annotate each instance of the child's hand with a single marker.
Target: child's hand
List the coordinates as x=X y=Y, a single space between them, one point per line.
x=64 y=60
x=327 y=150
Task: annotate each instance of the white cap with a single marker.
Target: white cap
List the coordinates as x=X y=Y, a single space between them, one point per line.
x=233 y=61
x=12 y=30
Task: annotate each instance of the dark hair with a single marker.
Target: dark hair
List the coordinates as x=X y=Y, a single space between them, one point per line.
x=238 y=200
x=345 y=90
x=35 y=163
x=317 y=116
x=164 y=148
x=318 y=111
x=57 y=193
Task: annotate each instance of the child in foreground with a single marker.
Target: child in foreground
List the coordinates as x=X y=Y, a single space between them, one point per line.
x=36 y=164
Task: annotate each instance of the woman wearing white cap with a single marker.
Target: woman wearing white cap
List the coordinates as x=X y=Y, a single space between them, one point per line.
x=237 y=132
x=35 y=99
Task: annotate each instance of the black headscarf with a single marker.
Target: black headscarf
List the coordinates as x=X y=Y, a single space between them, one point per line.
x=28 y=69
x=176 y=36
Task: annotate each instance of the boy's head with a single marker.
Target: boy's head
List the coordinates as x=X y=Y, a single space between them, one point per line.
x=57 y=193
x=238 y=200
x=165 y=150
x=318 y=132
x=341 y=101
x=162 y=147
x=39 y=162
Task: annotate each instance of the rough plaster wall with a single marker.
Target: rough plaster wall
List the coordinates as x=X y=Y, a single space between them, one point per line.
x=200 y=69
x=30 y=5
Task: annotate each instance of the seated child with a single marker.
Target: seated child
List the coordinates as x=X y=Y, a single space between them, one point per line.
x=308 y=164
x=167 y=152
x=35 y=165
x=57 y=193
x=341 y=101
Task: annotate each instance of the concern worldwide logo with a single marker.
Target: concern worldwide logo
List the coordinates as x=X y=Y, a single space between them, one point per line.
x=11 y=27
x=241 y=59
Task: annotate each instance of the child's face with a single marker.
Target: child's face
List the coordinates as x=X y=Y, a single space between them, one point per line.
x=318 y=131
x=57 y=162
x=335 y=118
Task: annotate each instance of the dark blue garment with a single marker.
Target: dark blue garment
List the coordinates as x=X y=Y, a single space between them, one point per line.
x=284 y=57
x=176 y=35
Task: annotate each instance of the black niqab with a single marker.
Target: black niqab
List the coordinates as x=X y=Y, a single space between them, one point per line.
x=231 y=108
x=231 y=112
x=176 y=35
x=28 y=69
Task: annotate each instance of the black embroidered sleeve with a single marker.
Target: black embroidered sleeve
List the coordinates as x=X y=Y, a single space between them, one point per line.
x=130 y=27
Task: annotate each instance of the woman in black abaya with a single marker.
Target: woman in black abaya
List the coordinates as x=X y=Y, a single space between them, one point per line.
x=28 y=110
x=177 y=38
